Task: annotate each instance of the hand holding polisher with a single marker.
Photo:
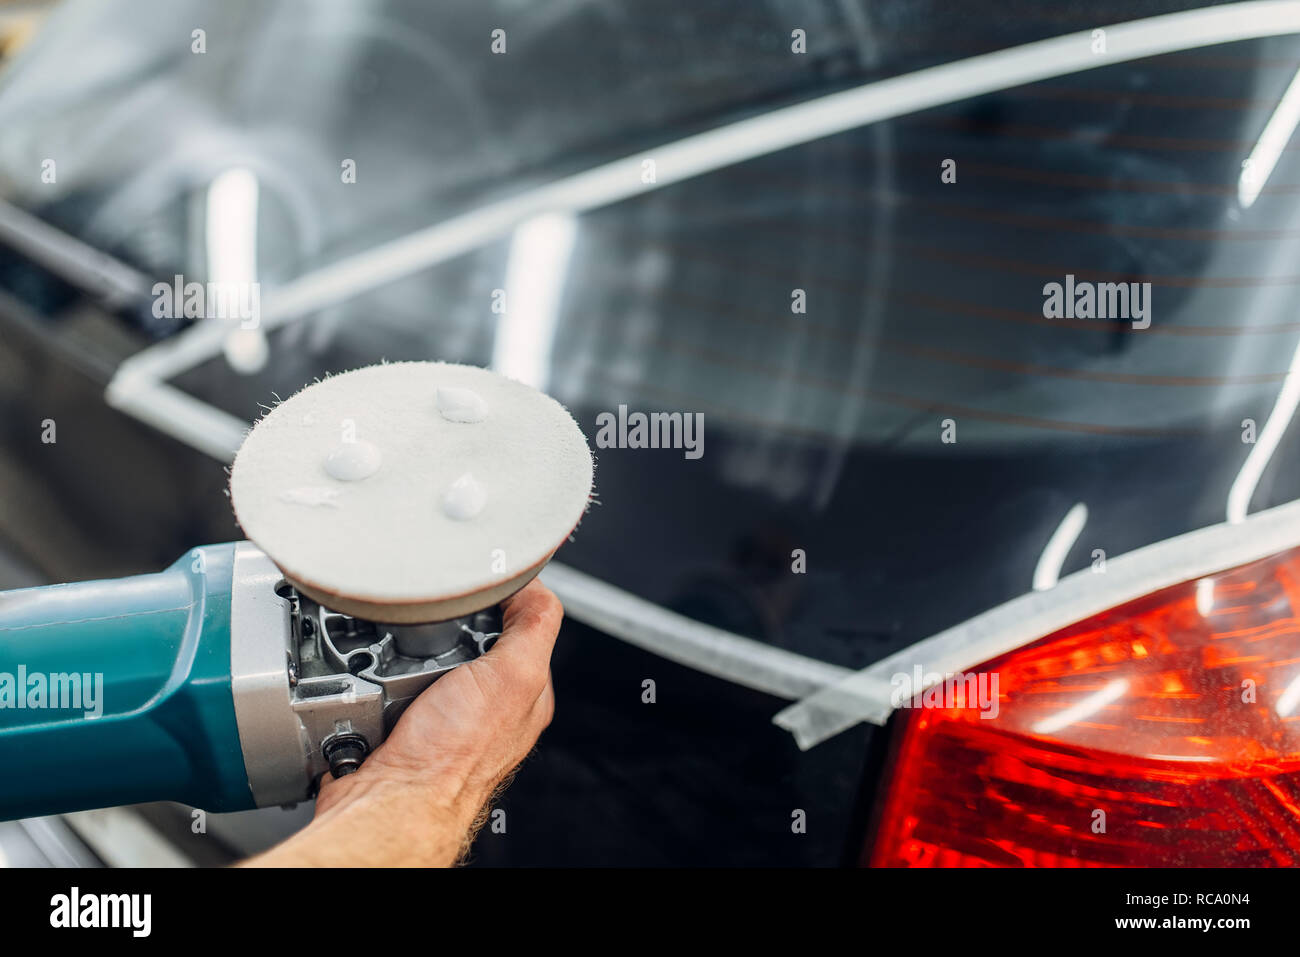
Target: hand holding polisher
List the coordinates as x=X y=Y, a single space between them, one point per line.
x=389 y=510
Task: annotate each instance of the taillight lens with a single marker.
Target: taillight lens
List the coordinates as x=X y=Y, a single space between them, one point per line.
x=1164 y=732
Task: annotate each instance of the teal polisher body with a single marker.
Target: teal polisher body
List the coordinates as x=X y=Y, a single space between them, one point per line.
x=214 y=683
x=117 y=692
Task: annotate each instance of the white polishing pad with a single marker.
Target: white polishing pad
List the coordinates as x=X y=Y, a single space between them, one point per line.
x=413 y=491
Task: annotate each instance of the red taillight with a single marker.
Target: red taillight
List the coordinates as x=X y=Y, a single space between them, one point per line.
x=1164 y=732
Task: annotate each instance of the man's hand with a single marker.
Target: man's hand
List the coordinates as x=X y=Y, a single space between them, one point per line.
x=416 y=799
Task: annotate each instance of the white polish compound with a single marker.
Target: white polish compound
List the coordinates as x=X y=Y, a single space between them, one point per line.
x=353 y=461
x=461 y=405
x=464 y=499
x=313 y=495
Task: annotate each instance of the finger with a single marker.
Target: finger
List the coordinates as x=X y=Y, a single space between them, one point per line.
x=531 y=623
x=532 y=606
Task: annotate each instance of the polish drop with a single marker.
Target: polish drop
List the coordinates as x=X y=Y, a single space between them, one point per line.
x=461 y=405
x=353 y=461
x=464 y=499
x=313 y=495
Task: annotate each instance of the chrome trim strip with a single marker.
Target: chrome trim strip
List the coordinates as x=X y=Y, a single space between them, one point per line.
x=865 y=696
x=713 y=651
x=81 y=264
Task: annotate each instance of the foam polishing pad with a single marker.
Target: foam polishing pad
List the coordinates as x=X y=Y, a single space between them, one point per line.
x=412 y=491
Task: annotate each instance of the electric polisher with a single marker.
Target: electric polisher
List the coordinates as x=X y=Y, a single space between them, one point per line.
x=389 y=510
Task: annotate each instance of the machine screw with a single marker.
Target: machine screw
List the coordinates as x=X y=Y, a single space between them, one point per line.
x=345 y=752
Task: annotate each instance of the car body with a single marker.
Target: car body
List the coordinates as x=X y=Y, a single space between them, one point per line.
x=832 y=306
